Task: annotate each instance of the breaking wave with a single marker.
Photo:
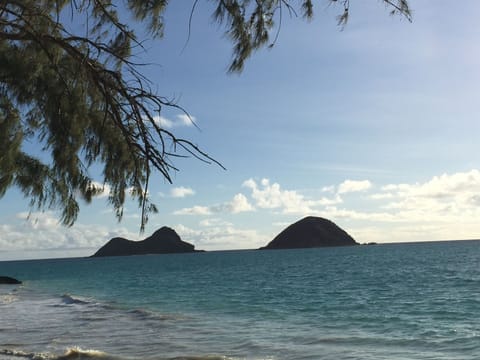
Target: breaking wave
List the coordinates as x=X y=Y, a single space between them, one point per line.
x=74 y=353
x=68 y=299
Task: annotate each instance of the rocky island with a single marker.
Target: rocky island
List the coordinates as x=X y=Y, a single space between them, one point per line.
x=311 y=232
x=163 y=241
x=7 y=280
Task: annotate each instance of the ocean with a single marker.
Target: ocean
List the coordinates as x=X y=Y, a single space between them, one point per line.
x=392 y=301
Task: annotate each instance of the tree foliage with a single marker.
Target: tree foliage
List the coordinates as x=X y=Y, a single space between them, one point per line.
x=79 y=98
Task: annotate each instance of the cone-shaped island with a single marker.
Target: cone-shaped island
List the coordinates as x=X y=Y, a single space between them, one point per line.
x=311 y=232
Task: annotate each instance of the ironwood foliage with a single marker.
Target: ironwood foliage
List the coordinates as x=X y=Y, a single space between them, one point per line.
x=70 y=101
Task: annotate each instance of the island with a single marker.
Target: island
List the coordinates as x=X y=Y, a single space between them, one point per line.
x=7 y=280
x=311 y=232
x=163 y=241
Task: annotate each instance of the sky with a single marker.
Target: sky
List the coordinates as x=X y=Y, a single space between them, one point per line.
x=374 y=126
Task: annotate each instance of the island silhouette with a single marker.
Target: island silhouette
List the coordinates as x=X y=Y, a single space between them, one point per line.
x=309 y=232
x=7 y=280
x=163 y=241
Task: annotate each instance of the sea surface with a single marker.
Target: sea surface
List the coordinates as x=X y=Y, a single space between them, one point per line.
x=397 y=301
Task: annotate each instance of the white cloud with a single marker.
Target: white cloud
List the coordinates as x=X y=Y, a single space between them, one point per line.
x=179 y=121
x=272 y=196
x=416 y=232
x=185 y=120
x=239 y=204
x=224 y=236
x=443 y=198
x=330 y=189
x=349 y=186
x=443 y=207
x=214 y=222
x=329 y=201
x=181 y=192
x=265 y=195
x=381 y=196
x=41 y=231
x=250 y=183
x=332 y=212
x=163 y=122
x=102 y=190
x=194 y=210
x=441 y=187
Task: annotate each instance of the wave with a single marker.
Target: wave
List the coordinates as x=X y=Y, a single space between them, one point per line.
x=144 y=314
x=78 y=353
x=74 y=353
x=141 y=314
x=207 y=357
x=68 y=299
x=8 y=298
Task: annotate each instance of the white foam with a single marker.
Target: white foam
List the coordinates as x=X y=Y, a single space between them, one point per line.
x=79 y=353
x=73 y=353
x=69 y=300
x=7 y=299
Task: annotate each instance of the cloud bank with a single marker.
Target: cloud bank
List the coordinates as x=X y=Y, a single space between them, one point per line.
x=41 y=231
x=443 y=207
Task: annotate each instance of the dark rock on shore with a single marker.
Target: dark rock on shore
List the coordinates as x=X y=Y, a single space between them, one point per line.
x=6 y=280
x=162 y=241
x=311 y=232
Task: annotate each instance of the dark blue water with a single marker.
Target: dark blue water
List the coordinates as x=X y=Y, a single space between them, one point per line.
x=403 y=301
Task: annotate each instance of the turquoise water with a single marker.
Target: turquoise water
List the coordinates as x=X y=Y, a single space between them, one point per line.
x=402 y=301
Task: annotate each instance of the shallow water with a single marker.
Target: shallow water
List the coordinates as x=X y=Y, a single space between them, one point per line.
x=403 y=301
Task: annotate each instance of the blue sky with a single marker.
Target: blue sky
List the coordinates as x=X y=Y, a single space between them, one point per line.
x=374 y=127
